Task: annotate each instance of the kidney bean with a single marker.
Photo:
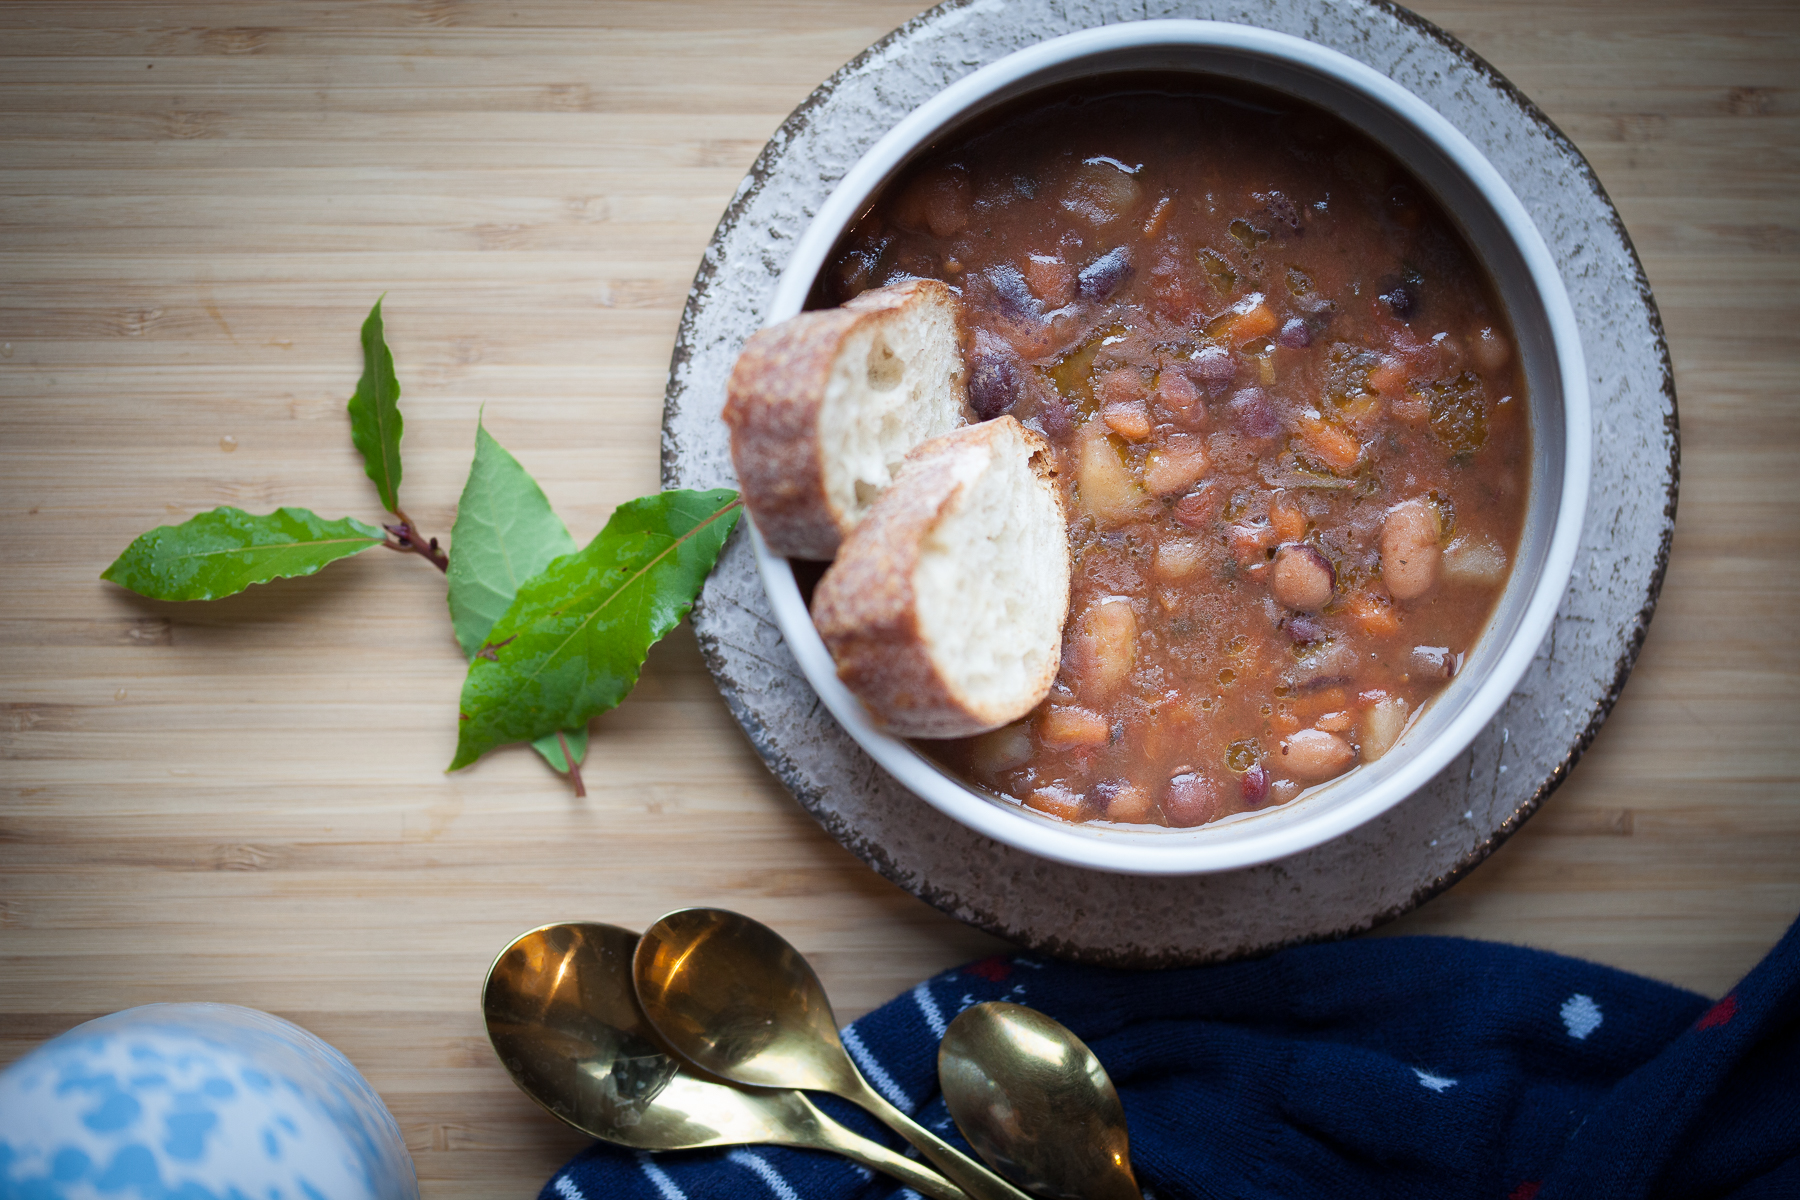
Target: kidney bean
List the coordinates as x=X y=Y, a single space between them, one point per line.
x=1192 y=799
x=1281 y=211
x=1295 y=334
x=1200 y=507
x=994 y=381
x=1055 y=413
x=1401 y=297
x=1435 y=662
x=1254 y=413
x=1105 y=275
x=1013 y=293
x=1213 y=369
x=1304 y=630
x=1255 y=785
x=1178 y=400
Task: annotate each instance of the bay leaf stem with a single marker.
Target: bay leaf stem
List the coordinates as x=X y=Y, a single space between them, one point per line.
x=408 y=540
x=574 y=767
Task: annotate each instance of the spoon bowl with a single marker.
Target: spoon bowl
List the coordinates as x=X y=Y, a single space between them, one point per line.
x=729 y=994
x=1036 y=1104
x=562 y=1016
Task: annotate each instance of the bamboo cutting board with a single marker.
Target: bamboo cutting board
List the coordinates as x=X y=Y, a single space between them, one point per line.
x=244 y=801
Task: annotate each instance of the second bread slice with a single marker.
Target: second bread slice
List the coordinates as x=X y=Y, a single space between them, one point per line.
x=944 y=610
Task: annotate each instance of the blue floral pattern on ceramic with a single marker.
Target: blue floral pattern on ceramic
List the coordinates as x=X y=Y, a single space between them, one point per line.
x=195 y=1102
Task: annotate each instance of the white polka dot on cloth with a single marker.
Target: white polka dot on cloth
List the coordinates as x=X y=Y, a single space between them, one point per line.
x=1580 y=1016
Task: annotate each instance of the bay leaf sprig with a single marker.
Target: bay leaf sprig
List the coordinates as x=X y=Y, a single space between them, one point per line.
x=554 y=635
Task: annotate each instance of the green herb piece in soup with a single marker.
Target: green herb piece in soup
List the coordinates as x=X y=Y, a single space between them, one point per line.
x=573 y=640
x=222 y=552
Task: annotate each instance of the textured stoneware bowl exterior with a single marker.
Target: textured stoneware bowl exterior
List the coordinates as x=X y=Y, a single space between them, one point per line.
x=1526 y=276
x=198 y=1101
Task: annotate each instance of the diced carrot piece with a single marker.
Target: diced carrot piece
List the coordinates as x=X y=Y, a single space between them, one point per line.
x=1289 y=522
x=1258 y=322
x=1051 y=278
x=1059 y=802
x=1284 y=721
x=1412 y=407
x=1362 y=412
x=1374 y=613
x=1129 y=419
x=1389 y=379
x=1064 y=728
x=1159 y=216
x=1337 y=448
x=1322 y=701
x=1249 y=542
x=1338 y=721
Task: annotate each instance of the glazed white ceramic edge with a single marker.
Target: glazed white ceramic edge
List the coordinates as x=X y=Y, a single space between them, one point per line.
x=1304 y=823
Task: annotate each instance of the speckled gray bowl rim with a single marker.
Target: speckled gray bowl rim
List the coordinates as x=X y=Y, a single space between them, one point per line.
x=1372 y=874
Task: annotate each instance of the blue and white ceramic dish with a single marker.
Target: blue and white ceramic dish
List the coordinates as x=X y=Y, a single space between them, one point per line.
x=196 y=1102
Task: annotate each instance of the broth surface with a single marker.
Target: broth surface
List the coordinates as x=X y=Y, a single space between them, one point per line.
x=1290 y=428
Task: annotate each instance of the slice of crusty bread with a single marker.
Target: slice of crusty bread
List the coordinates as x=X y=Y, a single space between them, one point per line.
x=944 y=610
x=824 y=406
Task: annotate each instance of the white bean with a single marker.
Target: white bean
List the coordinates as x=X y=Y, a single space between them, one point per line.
x=1314 y=755
x=1409 y=549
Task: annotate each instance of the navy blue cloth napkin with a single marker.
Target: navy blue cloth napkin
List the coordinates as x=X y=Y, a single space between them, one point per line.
x=1391 y=1067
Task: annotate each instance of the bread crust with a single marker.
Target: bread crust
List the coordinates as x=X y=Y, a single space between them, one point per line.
x=866 y=610
x=772 y=406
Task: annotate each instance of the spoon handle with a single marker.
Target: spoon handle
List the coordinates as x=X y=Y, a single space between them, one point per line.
x=973 y=1178
x=823 y=1133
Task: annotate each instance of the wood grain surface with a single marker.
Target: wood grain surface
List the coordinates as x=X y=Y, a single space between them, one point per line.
x=245 y=801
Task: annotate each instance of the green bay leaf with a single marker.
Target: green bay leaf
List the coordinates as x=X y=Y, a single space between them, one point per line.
x=505 y=533
x=222 y=552
x=571 y=644
x=375 y=424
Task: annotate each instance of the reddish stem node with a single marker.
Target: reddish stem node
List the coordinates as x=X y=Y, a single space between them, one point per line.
x=408 y=540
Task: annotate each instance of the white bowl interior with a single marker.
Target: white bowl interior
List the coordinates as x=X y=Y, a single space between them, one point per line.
x=1503 y=237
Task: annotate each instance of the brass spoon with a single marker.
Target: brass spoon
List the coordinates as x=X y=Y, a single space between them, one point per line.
x=1036 y=1104
x=729 y=994
x=561 y=1014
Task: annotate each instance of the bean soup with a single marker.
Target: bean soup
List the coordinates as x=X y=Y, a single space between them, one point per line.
x=1290 y=428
